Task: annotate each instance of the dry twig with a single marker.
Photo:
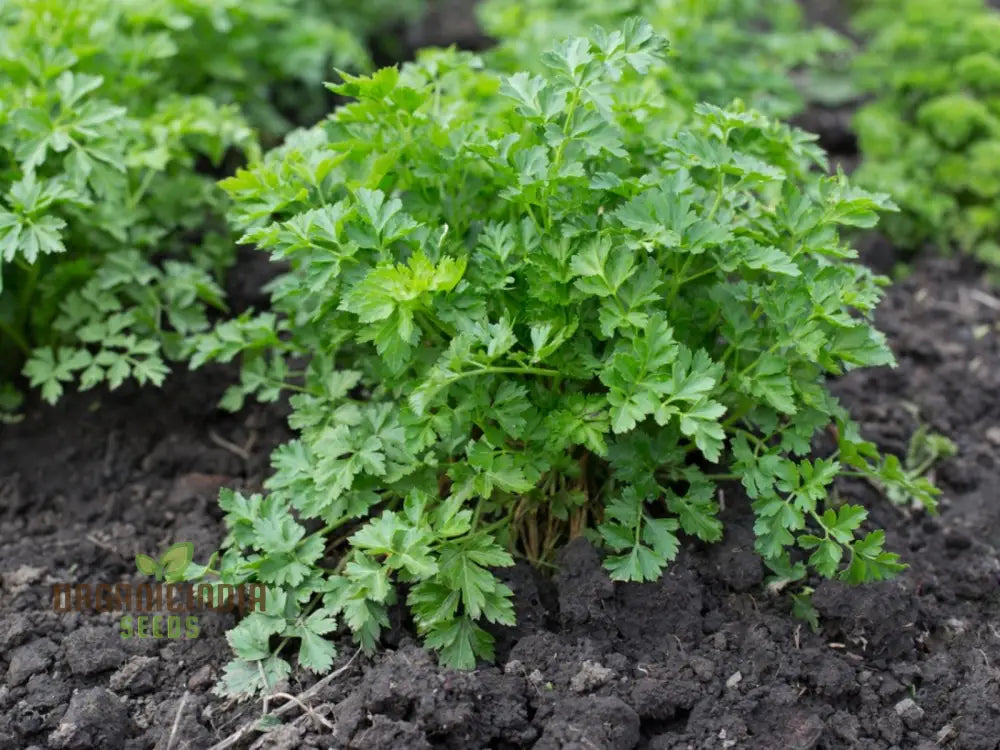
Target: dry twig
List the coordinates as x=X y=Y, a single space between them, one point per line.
x=177 y=720
x=300 y=701
x=229 y=445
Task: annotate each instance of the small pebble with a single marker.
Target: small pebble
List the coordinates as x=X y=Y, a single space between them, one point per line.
x=591 y=675
x=703 y=668
x=908 y=710
x=202 y=679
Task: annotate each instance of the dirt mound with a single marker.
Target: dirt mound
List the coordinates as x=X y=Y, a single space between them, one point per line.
x=704 y=658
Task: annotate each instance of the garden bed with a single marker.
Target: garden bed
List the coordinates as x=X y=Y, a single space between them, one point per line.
x=702 y=658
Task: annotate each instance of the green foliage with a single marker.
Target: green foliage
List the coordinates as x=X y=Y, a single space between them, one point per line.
x=756 y=50
x=267 y=56
x=803 y=609
x=931 y=135
x=112 y=238
x=98 y=182
x=522 y=306
x=926 y=448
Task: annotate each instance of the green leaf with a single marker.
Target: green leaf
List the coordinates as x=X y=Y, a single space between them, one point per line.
x=464 y=570
x=658 y=534
x=315 y=652
x=697 y=511
x=771 y=382
x=148 y=566
x=640 y=564
x=251 y=638
x=870 y=561
x=243 y=678
x=649 y=542
x=49 y=369
x=701 y=422
x=759 y=257
x=177 y=558
x=826 y=556
x=460 y=642
x=402 y=546
x=803 y=609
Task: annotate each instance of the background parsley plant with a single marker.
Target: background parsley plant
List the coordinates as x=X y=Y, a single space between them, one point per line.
x=115 y=114
x=931 y=134
x=758 y=50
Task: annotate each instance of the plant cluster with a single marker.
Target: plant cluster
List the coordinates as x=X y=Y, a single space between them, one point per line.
x=110 y=239
x=568 y=288
x=114 y=112
x=931 y=136
x=721 y=50
x=523 y=307
x=270 y=57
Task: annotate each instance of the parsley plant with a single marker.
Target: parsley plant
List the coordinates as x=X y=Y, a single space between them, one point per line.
x=270 y=57
x=97 y=176
x=524 y=307
x=931 y=136
x=112 y=238
x=720 y=49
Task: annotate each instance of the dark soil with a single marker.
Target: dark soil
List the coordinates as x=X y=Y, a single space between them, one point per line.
x=702 y=659
x=832 y=13
x=705 y=658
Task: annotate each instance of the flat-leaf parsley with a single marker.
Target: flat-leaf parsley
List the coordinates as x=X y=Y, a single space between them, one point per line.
x=525 y=307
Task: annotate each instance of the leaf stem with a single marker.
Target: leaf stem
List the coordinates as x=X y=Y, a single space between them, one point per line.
x=19 y=341
x=436 y=325
x=141 y=190
x=490 y=528
x=720 y=191
x=502 y=370
x=24 y=302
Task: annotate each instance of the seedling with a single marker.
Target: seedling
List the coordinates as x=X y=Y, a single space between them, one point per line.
x=926 y=448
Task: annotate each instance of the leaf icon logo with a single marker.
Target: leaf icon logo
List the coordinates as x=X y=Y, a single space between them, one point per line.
x=176 y=559
x=148 y=566
x=172 y=563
